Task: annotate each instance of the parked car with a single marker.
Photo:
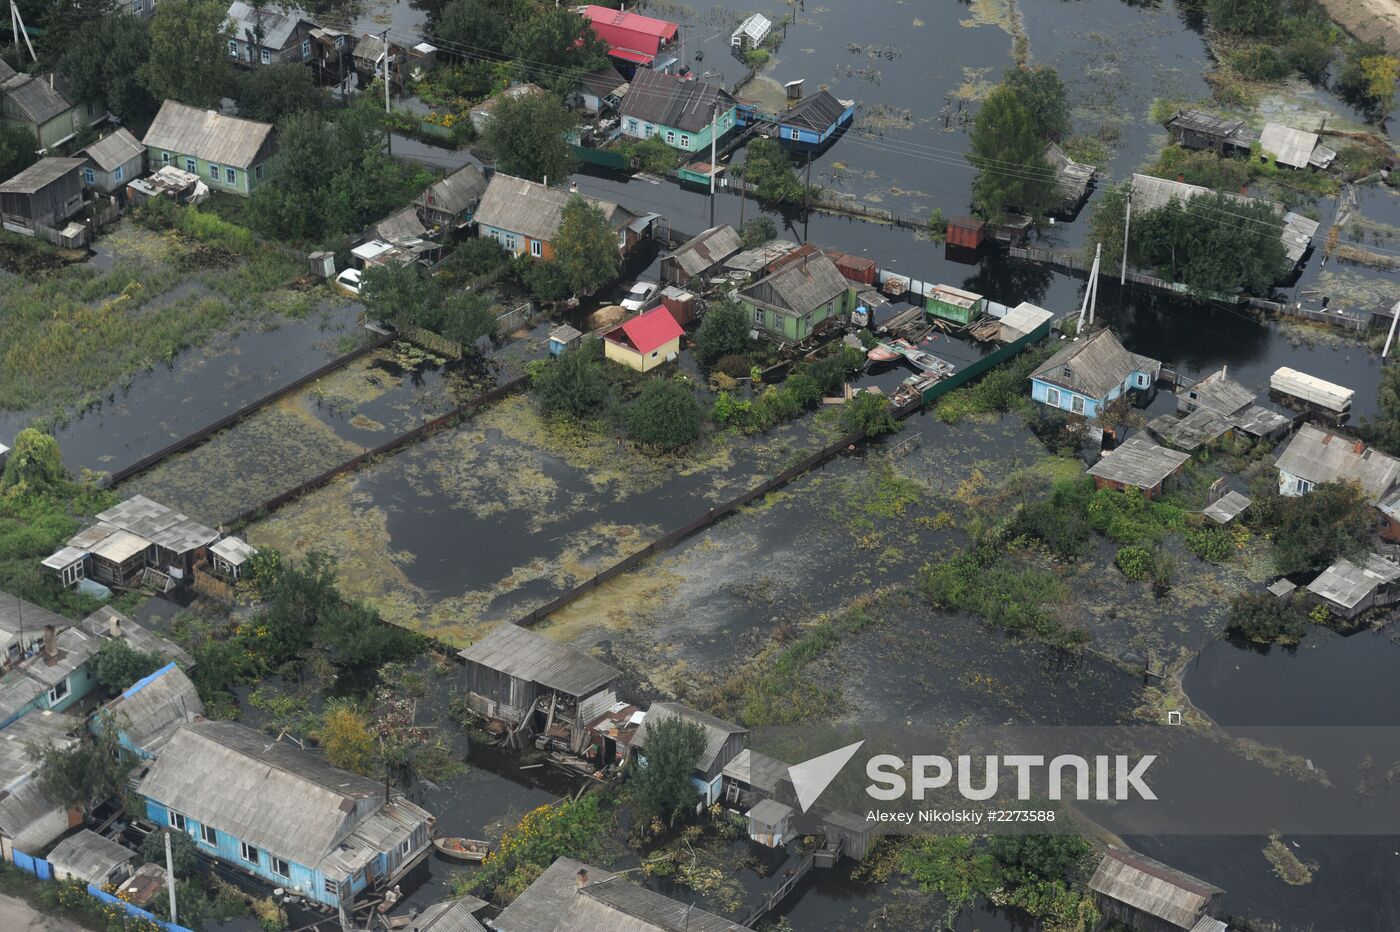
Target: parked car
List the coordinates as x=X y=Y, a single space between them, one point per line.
x=638 y=296
x=349 y=282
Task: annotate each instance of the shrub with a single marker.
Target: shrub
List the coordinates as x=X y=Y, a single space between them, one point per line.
x=182 y=851
x=1210 y=543
x=869 y=414
x=734 y=365
x=1264 y=619
x=757 y=231
x=1261 y=63
x=1134 y=562
x=665 y=415
x=572 y=384
x=723 y=331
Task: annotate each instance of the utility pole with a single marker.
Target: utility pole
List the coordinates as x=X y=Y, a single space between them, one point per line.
x=1094 y=282
x=1127 y=224
x=807 y=200
x=1088 y=287
x=170 y=878
x=714 y=141
x=388 y=130
x=1394 y=319
x=19 y=29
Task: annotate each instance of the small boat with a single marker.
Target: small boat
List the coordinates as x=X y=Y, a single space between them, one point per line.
x=462 y=849
x=888 y=352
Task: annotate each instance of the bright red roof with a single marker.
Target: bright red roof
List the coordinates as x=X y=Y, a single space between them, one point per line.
x=637 y=58
x=651 y=330
x=630 y=30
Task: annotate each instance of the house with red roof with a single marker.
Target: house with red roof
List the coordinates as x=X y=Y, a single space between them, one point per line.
x=645 y=341
x=632 y=39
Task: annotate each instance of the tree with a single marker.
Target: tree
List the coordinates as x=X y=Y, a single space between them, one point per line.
x=273 y=92
x=1245 y=17
x=1367 y=78
x=1264 y=618
x=472 y=258
x=868 y=413
x=545 y=280
x=118 y=665
x=724 y=330
x=35 y=464
x=356 y=640
x=1190 y=243
x=183 y=854
x=665 y=415
x=102 y=59
x=1043 y=94
x=768 y=168
x=585 y=246
x=17 y=150
x=86 y=773
x=401 y=295
x=661 y=786
x=188 y=60
x=553 y=46
x=466 y=318
x=526 y=134
x=572 y=384
x=758 y=231
x=1310 y=531
x=1106 y=222
x=1384 y=431
x=345 y=737
x=481 y=26
x=1009 y=157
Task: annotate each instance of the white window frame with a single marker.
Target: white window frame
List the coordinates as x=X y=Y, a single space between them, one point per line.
x=89 y=177
x=670 y=137
x=758 y=316
x=305 y=49
x=138 y=6
x=1052 y=397
x=508 y=240
x=209 y=835
x=1304 y=485
x=536 y=248
x=176 y=820
x=243 y=849
x=165 y=158
x=279 y=866
x=118 y=173
x=213 y=173
x=406 y=846
x=230 y=175
x=1076 y=404
x=232 y=48
x=685 y=141
x=191 y=166
x=265 y=57
x=794 y=133
x=73 y=572
x=60 y=689
x=632 y=125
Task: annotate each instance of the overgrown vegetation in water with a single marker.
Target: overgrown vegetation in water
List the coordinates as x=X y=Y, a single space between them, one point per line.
x=1042 y=875
x=1001 y=389
x=566 y=829
x=1289 y=868
x=997 y=582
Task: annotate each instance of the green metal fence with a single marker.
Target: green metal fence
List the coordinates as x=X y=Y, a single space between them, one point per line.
x=965 y=375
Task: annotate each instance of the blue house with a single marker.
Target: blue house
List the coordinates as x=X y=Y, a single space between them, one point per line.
x=284 y=814
x=723 y=742
x=1084 y=377
x=812 y=121
x=149 y=712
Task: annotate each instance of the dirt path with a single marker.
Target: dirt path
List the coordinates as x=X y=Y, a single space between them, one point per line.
x=1368 y=19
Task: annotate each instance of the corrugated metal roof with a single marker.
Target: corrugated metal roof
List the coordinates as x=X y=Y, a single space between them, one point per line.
x=1022 y=320
x=649 y=331
x=38 y=98
x=29 y=819
x=1153 y=887
x=88 y=856
x=207 y=134
x=1200 y=427
x=40 y=175
x=1317 y=456
x=449 y=916
x=276 y=27
x=1346 y=584
x=707 y=249
x=819 y=112
x=759 y=771
x=1220 y=393
x=717 y=730
x=1198 y=121
x=158 y=524
x=114 y=149
x=18 y=615
x=1139 y=462
x=769 y=812
x=1288 y=146
x=513 y=650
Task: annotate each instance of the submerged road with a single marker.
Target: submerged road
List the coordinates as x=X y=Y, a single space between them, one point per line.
x=18 y=916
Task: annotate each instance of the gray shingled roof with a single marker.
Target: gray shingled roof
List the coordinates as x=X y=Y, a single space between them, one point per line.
x=207 y=134
x=17 y=614
x=158 y=524
x=29 y=818
x=1198 y=121
x=38 y=98
x=456 y=192
x=114 y=149
x=819 y=112
x=400 y=226
x=40 y=175
x=152 y=709
x=1345 y=583
x=604 y=81
x=1227 y=507
x=800 y=286
x=1317 y=456
x=277 y=26
x=88 y=856
x=606 y=902
x=1139 y=462
x=534 y=658
x=1071 y=178
x=665 y=100
x=43 y=728
x=272 y=795
x=1093 y=366
x=1220 y=393
x=137 y=636
x=717 y=730
x=1151 y=886
x=1196 y=429
x=707 y=249
x=449 y=916
x=533 y=210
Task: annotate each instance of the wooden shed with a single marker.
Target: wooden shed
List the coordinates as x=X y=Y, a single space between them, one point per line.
x=955 y=304
x=966 y=232
x=45 y=194
x=113 y=161
x=681 y=303
x=1138 y=464
x=1149 y=896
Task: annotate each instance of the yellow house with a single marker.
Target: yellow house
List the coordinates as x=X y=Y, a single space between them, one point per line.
x=645 y=341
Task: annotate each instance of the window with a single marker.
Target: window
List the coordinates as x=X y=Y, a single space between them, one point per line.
x=71 y=574
x=175 y=820
x=257 y=172
x=408 y=842
x=331 y=887
x=758 y=316
x=1076 y=404
x=230 y=176
x=340 y=42
x=508 y=240
x=59 y=691
x=794 y=133
x=631 y=126
x=279 y=866
x=266 y=57
x=305 y=48
x=536 y=248
x=232 y=48
x=651 y=131
x=137 y=6
x=1305 y=485
x=685 y=141
x=1052 y=397
x=214 y=173
x=248 y=852
x=209 y=835
x=670 y=138
x=88 y=176
x=190 y=166
x=117 y=173
x=654 y=353
x=165 y=158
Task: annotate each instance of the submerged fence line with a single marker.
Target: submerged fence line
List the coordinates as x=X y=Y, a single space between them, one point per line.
x=228 y=420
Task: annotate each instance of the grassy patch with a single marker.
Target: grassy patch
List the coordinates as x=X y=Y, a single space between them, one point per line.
x=1287 y=865
x=997 y=392
x=999 y=583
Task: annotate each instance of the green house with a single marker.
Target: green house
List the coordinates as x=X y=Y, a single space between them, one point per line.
x=227 y=153
x=792 y=303
x=954 y=304
x=41 y=105
x=680 y=113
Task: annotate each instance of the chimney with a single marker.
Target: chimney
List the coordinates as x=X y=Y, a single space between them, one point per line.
x=1224 y=370
x=581 y=878
x=1326 y=440
x=1357 y=447
x=50 y=647
x=114 y=625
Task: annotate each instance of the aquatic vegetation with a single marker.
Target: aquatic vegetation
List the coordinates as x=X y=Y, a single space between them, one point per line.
x=1291 y=869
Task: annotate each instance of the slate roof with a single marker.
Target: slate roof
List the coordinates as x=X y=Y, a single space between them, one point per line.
x=717 y=730
x=605 y=903
x=207 y=134
x=801 y=286
x=277 y=27
x=1071 y=178
x=137 y=636
x=22 y=812
x=649 y=331
x=707 y=249
x=1219 y=393
x=272 y=795
x=1346 y=584
x=1198 y=121
x=665 y=100
x=1022 y=319
x=114 y=149
x=751 y=260
x=235 y=550
x=456 y=192
x=1093 y=366
x=400 y=226
x=1138 y=462
x=39 y=727
x=1258 y=421
x=1288 y=146
x=1192 y=431
x=761 y=772
x=819 y=112
x=534 y=658
x=158 y=524
x=531 y=209
x=606 y=80
x=38 y=98
x=89 y=856
x=1227 y=507
x=449 y=916
x=1317 y=456
x=1153 y=887
x=1150 y=193
x=769 y=812
x=18 y=615
x=153 y=708
x=40 y=175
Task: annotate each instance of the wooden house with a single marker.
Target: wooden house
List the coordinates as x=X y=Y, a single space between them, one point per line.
x=796 y=301
x=1072 y=180
x=600 y=91
x=230 y=557
x=368 y=60
x=955 y=304
x=966 y=232
x=1148 y=896
x=750 y=776
x=1084 y=377
x=22 y=625
x=523 y=217
x=1138 y=464
x=536 y=685
x=701 y=256
x=723 y=742
x=813 y=121
x=849 y=833
x=1294 y=148
x=1314 y=456
x=129 y=538
x=571 y=896
x=450 y=204
x=90 y=858
x=769 y=823
x=1196 y=129
x=644 y=342
x=149 y=712
x=683 y=114
x=229 y=153
x=44 y=195
x=44 y=106
x=266 y=35
x=1349 y=589
x=29 y=820
x=454 y=915
x=1217 y=407
x=1308 y=392
x=633 y=39
x=113 y=161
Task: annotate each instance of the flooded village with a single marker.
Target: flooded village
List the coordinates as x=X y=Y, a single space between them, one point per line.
x=471 y=464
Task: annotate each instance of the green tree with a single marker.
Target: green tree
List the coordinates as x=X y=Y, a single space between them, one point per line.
x=1245 y=17
x=402 y=295
x=1384 y=431
x=768 y=168
x=1106 y=222
x=188 y=61
x=118 y=665
x=1215 y=244
x=466 y=318
x=724 y=330
x=757 y=231
x=1367 y=78
x=273 y=92
x=183 y=854
x=1310 y=531
x=585 y=246
x=1009 y=157
x=868 y=413
x=1264 y=618
x=84 y=774
x=661 y=787
x=35 y=464
x=526 y=134
x=553 y=46
x=356 y=639
x=572 y=384
x=665 y=415
x=103 y=58
x=545 y=280
x=479 y=27
x=1043 y=94
x=18 y=150
x=344 y=734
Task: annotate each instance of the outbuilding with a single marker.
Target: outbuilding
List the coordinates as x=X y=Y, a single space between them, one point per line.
x=114 y=160
x=645 y=341
x=1348 y=589
x=701 y=255
x=90 y=858
x=723 y=742
x=1148 y=896
x=955 y=304
x=1138 y=464
x=563 y=337
x=44 y=195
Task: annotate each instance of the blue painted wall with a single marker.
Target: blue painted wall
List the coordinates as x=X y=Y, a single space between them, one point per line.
x=1040 y=392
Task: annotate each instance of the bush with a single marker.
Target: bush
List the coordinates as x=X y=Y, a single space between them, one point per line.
x=572 y=384
x=1264 y=619
x=1060 y=521
x=1210 y=543
x=868 y=413
x=1011 y=595
x=1261 y=63
x=182 y=851
x=1310 y=531
x=734 y=365
x=665 y=415
x=757 y=231
x=1134 y=562
x=723 y=331
x=651 y=155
